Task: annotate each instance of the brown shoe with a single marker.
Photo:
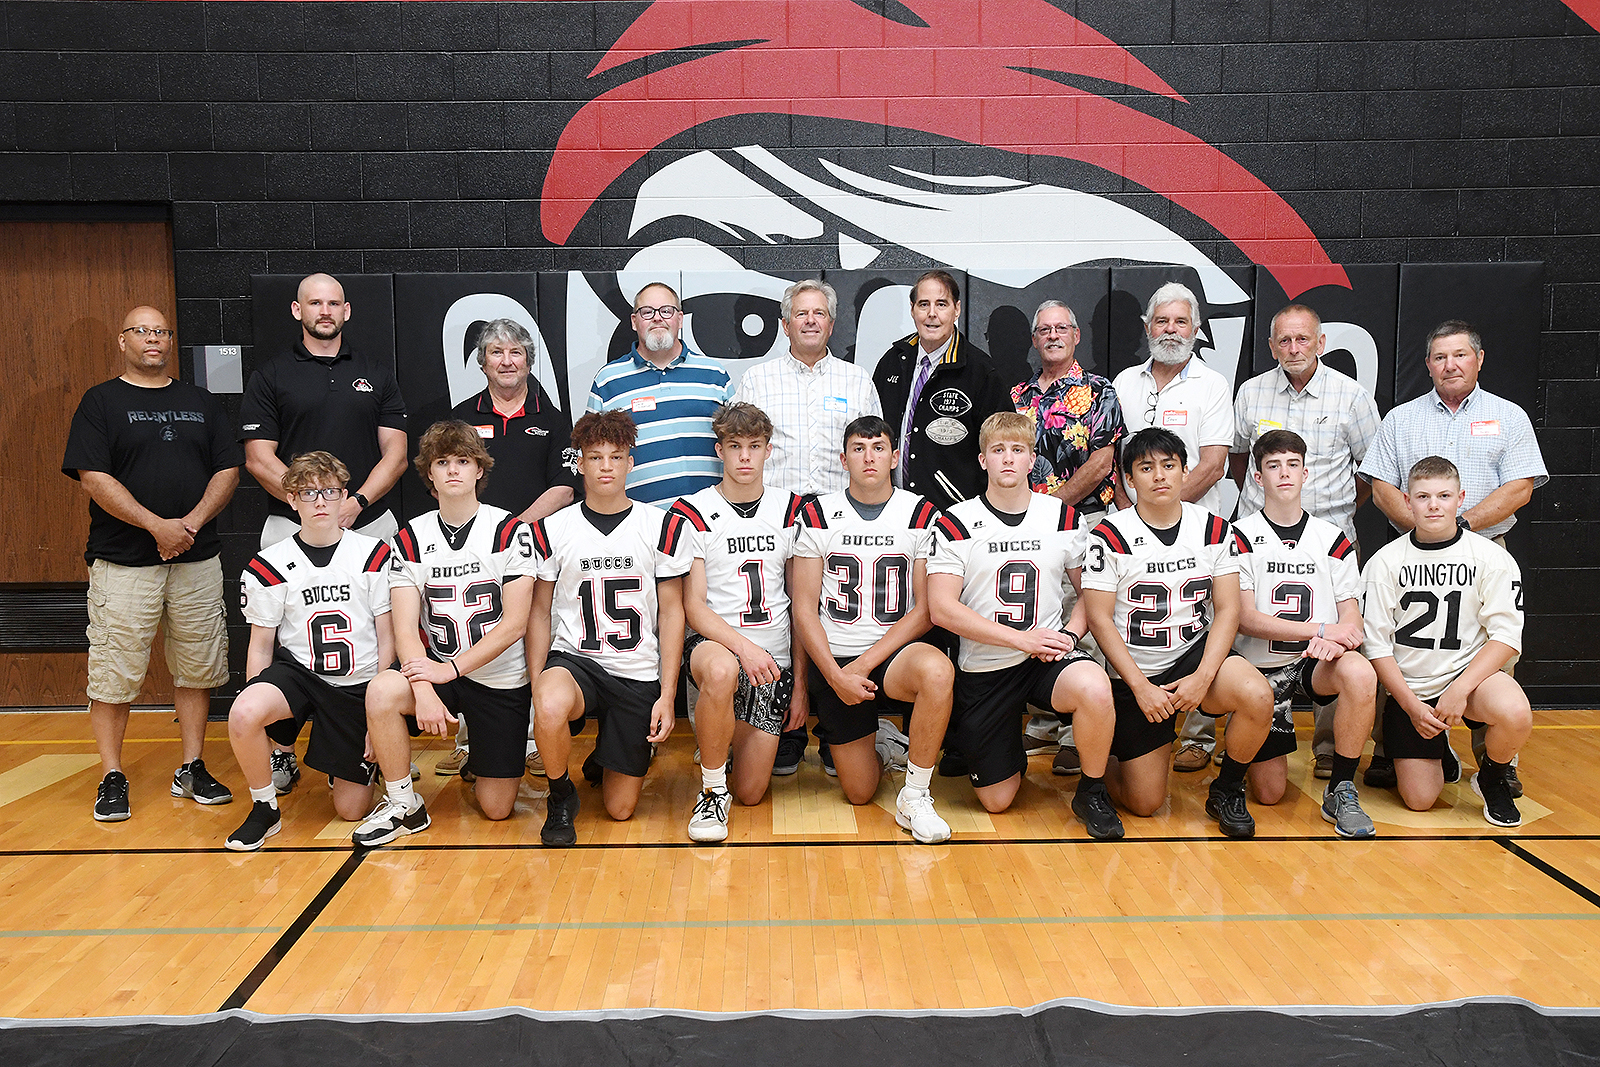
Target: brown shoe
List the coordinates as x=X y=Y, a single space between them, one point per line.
x=1066 y=762
x=1322 y=765
x=451 y=764
x=1192 y=756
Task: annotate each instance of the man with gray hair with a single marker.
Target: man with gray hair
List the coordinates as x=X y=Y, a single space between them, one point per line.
x=1175 y=391
x=810 y=395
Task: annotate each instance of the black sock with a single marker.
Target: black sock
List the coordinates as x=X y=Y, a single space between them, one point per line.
x=1488 y=768
x=562 y=787
x=1232 y=772
x=1344 y=769
x=1087 y=782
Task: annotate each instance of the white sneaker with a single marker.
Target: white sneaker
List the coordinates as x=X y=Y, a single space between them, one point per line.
x=710 y=819
x=390 y=820
x=913 y=810
x=894 y=747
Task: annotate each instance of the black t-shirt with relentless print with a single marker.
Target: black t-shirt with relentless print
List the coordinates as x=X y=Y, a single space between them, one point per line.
x=163 y=445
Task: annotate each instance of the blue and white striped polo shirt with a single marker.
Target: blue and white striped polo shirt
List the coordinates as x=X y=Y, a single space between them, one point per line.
x=676 y=452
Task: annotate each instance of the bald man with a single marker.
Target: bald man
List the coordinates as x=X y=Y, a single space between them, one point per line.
x=324 y=396
x=159 y=461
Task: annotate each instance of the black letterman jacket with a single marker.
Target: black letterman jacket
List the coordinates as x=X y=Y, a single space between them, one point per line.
x=963 y=390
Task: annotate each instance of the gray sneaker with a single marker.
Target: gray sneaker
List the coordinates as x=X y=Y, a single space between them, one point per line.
x=1342 y=807
x=893 y=747
x=285 y=771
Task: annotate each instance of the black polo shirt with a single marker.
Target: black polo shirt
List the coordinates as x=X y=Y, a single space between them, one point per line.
x=529 y=447
x=308 y=404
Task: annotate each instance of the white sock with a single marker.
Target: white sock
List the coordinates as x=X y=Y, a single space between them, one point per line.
x=533 y=749
x=918 y=777
x=401 y=792
x=714 y=779
x=267 y=794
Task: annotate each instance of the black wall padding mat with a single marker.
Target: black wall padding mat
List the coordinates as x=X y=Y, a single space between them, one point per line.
x=1490 y=1033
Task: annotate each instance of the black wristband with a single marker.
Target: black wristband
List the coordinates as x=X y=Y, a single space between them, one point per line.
x=363 y=501
x=1461 y=521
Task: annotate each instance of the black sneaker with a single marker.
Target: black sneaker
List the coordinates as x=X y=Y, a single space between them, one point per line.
x=1380 y=773
x=1452 y=765
x=826 y=755
x=285 y=771
x=1513 y=783
x=390 y=820
x=111 y=802
x=1093 y=807
x=558 y=830
x=953 y=764
x=263 y=821
x=1226 y=804
x=192 y=780
x=791 y=750
x=593 y=773
x=1498 y=808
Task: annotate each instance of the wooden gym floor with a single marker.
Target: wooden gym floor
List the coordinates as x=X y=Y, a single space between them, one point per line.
x=811 y=904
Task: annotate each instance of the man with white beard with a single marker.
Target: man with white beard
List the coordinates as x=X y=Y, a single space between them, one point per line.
x=1176 y=392
x=671 y=392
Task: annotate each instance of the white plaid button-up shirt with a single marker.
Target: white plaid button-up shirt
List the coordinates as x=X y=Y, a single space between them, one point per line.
x=809 y=408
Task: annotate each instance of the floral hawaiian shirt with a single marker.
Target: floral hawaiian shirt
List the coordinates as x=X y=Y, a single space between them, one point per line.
x=1076 y=416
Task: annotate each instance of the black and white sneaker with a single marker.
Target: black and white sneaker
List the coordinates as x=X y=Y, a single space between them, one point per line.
x=390 y=820
x=558 y=830
x=1498 y=807
x=192 y=780
x=1093 y=807
x=1225 y=803
x=285 y=771
x=263 y=821
x=1452 y=765
x=111 y=800
x=791 y=750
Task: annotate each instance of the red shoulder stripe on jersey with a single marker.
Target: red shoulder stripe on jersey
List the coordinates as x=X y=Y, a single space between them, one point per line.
x=1110 y=535
x=951 y=527
x=379 y=560
x=791 y=514
x=671 y=532
x=1069 y=517
x=1241 y=540
x=691 y=514
x=505 y=532
x=923 y=514
x=541 y=539
x=406 y=542
x=1341 y=548
x=811 y=515
x=1216 y=529
x=266 y=572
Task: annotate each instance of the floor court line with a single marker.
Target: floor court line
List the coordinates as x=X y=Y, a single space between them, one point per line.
x=1554 y=872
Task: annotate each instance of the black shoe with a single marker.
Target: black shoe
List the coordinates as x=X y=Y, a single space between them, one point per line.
x=1225 y=803
x=263 y=821
x=953 y=764
x=1452 y=765
x=826 y=754
x=558 y=830
x=1497 y=806
x=111 y=802
x=1093 y=807
x=1066 y=764
x=593 y=773
x=791 y=750
x=1513 y=783
x=1380 y=773
x=192 y=780
x=390 y=820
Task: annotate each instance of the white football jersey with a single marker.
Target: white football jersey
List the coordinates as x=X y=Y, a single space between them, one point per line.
x=1014 y=572
x=1301 y=581
x=326 y=617
x=745 y=562
x=461 y=588
x=1434 y=607
x=866 y=565
x=1163 y=593
x=605 y=606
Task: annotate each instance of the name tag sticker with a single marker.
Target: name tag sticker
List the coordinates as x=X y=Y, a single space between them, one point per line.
x=485 y=432
x=835 y=403
x=644 y=403
x=1263 y=425
x=1174 y=418
x=1486 y=428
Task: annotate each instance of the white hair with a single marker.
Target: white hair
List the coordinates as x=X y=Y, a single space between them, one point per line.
x=1047 y=305
x=1167 y=294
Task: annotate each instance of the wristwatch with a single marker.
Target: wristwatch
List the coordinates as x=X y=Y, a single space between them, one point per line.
x=363 y=501
x=1461 y=521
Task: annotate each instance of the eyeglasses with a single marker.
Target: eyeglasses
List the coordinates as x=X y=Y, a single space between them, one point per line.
x=1150 y=412
x=149 y=331
x=665 y=311
x=333 y=492
x=1047 y=330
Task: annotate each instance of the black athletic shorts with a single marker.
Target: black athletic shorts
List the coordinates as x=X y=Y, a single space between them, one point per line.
x=1136 y=734
x=620 y=707
x=843 y=722
x=1287 y=681
x=1400 y=737
x=990 y=706
x=498 y=724
x=762 y=706
x=339 y=737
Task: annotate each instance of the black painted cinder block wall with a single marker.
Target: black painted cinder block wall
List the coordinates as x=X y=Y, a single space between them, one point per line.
x=379 y=137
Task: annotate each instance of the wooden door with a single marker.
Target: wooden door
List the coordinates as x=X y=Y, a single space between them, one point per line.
x=64 y=290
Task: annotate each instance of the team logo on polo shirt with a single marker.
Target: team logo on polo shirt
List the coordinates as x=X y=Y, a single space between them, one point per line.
x=362 y=385
x=536 y=431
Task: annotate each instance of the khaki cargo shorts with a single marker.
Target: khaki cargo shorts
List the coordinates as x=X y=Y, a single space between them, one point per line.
x=127 y=604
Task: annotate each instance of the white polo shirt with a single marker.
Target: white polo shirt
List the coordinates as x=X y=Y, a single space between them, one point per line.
x=1197 y=405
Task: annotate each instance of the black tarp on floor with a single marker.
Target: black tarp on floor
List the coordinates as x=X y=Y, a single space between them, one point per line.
x=1493 y=1033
